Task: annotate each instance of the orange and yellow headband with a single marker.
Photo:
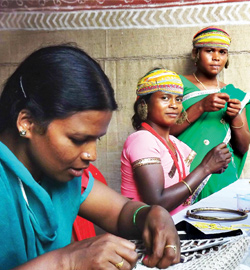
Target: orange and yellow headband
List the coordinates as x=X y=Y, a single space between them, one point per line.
x=212 y=37
x=160 y=80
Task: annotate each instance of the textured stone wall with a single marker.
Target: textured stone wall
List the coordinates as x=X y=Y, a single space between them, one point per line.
x=127 y=42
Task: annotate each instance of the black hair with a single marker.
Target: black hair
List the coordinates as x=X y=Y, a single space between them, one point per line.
x=55 y=82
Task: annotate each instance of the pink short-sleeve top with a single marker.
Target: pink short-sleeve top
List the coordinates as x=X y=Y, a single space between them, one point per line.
x=143 y=144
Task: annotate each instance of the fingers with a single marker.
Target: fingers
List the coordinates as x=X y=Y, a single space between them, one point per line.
x=233 y=109
x=215 y=102
x=126 y=243
x=223 y=147
x=120 y=262
x=126 y=256
x=223 y=96
x=234 y=102
x=172 y=251
x=171 y=256
x=218 y=159
x=224 y=155
x=221 y=99
x=112 y=252
x=163 y=256
x=165 y=251
x=160 y=231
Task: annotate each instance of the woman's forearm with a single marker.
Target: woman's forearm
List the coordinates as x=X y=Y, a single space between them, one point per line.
x=127 y=220
x=215 y=160
x=177 y=194
x=240 y=134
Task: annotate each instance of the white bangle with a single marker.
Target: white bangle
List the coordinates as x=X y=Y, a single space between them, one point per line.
x=238 y=127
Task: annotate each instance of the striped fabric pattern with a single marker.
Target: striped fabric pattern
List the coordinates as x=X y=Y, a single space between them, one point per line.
x=160 y=80
x=212 y=37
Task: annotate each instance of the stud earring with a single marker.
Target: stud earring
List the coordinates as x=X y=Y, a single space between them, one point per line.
x=22 y=133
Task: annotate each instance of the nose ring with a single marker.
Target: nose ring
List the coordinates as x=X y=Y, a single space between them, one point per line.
x=87 y=155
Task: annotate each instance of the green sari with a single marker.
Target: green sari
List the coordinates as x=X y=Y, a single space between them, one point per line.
x=210 y=130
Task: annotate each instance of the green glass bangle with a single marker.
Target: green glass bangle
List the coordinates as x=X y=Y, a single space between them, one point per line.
x=136 y=212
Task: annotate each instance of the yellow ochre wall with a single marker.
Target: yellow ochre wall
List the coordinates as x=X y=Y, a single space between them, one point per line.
x=127 y=43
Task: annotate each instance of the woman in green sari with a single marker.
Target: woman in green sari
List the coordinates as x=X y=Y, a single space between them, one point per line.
x=216 y=112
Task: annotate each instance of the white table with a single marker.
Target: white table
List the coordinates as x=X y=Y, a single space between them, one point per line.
x=225 y=198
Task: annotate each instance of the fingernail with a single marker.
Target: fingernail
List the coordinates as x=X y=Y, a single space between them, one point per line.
x=145 y=257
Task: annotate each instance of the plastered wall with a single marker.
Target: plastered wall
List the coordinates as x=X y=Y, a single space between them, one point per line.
x=127 y=52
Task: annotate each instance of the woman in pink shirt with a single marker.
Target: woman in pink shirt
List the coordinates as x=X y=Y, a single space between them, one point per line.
x=154 y=164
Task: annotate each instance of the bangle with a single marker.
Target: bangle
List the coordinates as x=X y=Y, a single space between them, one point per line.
x=136 y=212
x=188 y=120
x=192 y=213
x=238 y=127
x=187 y=185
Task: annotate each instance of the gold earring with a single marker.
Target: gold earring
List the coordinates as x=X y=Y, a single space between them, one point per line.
x=182 y=118
x=142 y=110
x=23 y=133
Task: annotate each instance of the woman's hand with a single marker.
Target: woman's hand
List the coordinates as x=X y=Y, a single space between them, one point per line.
x=211 y=103
x=217 y=159
x=214 y=102
x=100 y=252
x=158 y=232
x=233 y=108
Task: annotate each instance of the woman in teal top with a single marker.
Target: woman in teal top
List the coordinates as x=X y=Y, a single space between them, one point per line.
x=216 y=112
x=53 y=109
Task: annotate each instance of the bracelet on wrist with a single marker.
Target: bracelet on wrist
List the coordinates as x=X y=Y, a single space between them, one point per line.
x=136 y=212
x=188 y=121
x=187 y=185
x=238 y=126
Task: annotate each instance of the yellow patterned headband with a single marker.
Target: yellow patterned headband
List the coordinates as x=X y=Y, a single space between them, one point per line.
x=160 y=80
x=212 y=37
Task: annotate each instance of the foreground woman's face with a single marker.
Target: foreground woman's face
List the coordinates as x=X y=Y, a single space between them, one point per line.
x=62 y=152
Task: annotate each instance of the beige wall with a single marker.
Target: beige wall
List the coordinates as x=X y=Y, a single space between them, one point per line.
x=127 y=53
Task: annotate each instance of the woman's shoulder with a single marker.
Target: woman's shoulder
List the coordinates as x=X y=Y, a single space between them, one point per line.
x=187 y=77
x=139 y=134
x=189 y=83
x=141 y=139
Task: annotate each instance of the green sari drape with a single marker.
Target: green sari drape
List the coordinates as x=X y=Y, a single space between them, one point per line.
x=211 y=129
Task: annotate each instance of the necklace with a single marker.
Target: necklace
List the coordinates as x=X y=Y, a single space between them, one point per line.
x=218 y=83
x=150 y=129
